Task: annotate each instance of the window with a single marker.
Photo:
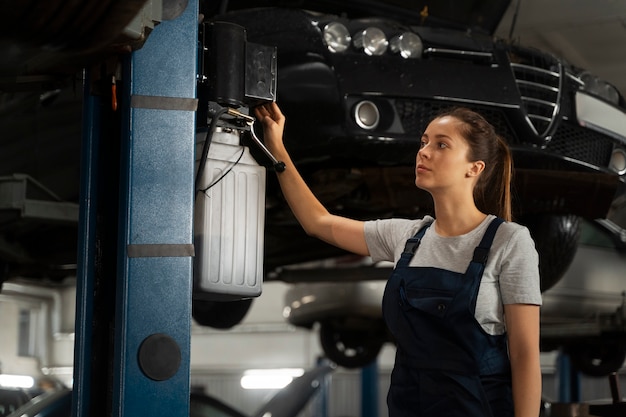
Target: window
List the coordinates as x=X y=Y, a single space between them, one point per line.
x=25 y=335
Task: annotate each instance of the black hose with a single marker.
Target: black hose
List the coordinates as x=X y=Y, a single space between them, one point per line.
x=205 y=148
x=514 y=22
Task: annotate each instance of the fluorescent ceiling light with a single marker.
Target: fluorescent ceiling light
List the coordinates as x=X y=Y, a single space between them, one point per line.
x=16 y=381
x=269 y=378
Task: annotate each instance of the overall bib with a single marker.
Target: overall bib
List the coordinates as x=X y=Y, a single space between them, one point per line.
x=446 y=364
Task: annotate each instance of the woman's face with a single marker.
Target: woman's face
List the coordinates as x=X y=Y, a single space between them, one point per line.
x=442 y=162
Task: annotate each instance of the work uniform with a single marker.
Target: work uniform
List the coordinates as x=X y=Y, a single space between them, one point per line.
x=446 y=363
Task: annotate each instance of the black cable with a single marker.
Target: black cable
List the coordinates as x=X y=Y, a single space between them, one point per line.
x=205 y=148
x=514 y=22
x=230 y=168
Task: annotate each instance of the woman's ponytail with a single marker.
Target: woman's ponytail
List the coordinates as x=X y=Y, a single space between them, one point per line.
x=492 y=192
x=505 y=180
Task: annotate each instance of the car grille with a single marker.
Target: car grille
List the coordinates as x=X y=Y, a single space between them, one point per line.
x=568 y=141
x=581 y=144
x=539 y=80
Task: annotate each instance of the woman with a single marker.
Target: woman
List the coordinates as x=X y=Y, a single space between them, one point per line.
x=463 y=300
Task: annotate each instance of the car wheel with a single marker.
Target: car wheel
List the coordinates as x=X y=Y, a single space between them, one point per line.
x=4 y=273
x=556 y=240
x=220 y=314
x=352 y=343
x=597 y=359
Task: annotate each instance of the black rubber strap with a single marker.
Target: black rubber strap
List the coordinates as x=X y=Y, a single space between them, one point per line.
x=481 y=253
x=163 y=103
x=413 y=243
x=160 y=250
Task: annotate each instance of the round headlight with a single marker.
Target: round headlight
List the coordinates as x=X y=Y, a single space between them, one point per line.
x=408 y=45
x=618 y=161
x=336 y=37
x=366 y=115
x=372 y=40
x=600 y=88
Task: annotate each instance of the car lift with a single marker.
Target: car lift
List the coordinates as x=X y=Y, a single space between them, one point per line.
x=132 y=342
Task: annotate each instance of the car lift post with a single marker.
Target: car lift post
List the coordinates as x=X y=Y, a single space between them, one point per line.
x=369 y=390
x=568 y=379
x=140 y=356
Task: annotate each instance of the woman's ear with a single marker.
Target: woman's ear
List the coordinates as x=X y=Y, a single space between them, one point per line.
x=475 y=169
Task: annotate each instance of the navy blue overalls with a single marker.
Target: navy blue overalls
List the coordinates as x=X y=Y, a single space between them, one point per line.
x=446 y=364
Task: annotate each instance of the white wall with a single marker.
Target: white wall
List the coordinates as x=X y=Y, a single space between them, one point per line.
x=10 y=362
x=52 y=329
x=218 y=358
x=263 y=340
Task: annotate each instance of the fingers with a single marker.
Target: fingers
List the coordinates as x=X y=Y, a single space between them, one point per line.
x=274 y=110
x=270 y=110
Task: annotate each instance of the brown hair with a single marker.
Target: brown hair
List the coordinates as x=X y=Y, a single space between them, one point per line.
x=492 y=193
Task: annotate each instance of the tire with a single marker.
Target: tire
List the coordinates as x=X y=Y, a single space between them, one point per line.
x=350 y=345
x=220 y=314
x=4 y=274
x=556 y=240
x=597 y=359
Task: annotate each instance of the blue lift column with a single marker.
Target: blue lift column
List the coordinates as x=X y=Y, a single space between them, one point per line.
x=148 y=365
x=153 y=319
x=369 y=390
x=568 y=380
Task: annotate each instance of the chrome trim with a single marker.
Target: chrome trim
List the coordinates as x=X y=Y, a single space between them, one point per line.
x=551 y=107
x=537 y=117
x=471 y=101
x=538 y=101
x=576 y=79
x=460 y=52
x=536 y=69
x=537 y=85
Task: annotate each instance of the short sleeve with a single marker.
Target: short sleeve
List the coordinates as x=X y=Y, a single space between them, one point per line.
x=519 y=273
x=385 y=238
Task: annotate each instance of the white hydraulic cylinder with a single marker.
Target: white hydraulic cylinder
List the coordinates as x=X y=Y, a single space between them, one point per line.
x=229 y=221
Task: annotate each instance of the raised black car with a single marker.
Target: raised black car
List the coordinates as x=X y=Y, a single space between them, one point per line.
x=360 y=80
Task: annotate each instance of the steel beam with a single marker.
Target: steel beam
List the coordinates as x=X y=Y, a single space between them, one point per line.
x=147 y=368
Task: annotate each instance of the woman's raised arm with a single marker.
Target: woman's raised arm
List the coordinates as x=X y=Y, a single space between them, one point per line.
x=339 y=231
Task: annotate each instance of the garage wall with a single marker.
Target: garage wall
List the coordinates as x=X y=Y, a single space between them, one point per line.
x=219 y=358
x=37 y=330
x=11 y=362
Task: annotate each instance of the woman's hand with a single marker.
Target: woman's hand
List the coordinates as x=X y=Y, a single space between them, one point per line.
x=273 y=122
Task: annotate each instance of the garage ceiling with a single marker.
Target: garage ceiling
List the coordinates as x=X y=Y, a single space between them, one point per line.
x=41 y=137
x=590 y=34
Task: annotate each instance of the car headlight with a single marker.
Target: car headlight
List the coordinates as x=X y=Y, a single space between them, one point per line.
x=336 y=37
x=407 y=44
x=600 y=88
x=366 y=115
x=618 y=161
x=372 y=40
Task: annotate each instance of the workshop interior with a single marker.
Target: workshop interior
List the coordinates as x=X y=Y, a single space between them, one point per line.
x=149 y=263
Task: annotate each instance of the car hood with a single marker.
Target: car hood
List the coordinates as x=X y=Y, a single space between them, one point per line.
x=479 y=16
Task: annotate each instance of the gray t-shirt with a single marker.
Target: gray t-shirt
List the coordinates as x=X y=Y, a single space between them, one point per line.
x=511 y=275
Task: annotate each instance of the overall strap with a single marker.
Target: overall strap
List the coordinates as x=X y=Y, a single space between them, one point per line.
x=477 y=265
x=482 y=250
x=411 y=246
x=413 y=242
